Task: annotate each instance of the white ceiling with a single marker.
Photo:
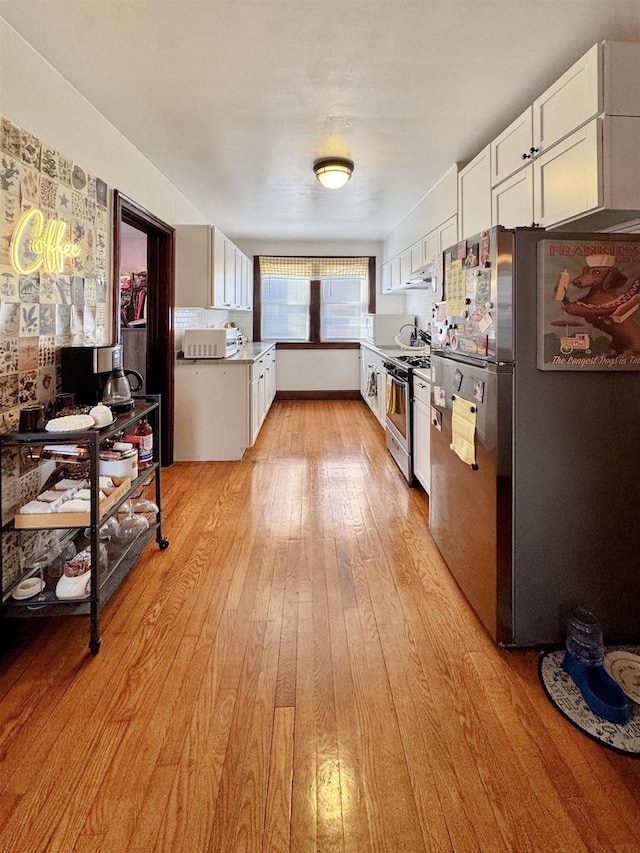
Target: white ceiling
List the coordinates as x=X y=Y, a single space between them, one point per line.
x=233 y=99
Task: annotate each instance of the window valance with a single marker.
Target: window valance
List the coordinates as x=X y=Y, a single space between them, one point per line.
x=313 y=268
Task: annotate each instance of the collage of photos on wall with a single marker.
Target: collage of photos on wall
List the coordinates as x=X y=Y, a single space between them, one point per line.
x=54 y=259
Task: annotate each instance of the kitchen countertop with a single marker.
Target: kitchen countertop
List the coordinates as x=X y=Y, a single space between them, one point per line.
x=247 y=354
x=390 y=350
x=384 y=351
x=423 y=373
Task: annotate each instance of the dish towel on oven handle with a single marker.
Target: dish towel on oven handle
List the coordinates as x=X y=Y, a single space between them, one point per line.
x=463 y=430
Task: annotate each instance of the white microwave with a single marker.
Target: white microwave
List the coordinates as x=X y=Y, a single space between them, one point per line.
x=210 y=343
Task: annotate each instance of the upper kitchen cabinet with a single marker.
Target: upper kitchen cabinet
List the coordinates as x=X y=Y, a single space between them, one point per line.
x=405 y=267
x=211 y=272
x=245 y=267
x=396 y=273
x=567 y=176
x=512 y=200
x=572 y=157
x=474 y=195
x=513 y=148
x=571 y=101
x=386 y=277
x=417 y=256
x=440 y=239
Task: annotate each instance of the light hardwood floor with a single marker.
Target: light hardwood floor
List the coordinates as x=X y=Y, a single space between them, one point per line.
x=297 y=672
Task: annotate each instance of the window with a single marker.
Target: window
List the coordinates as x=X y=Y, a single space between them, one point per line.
x=313 y=300
x=343 y=305
x=285 y=309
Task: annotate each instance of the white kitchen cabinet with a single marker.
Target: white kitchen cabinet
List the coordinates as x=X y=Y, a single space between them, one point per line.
x=229 y=288
x=244 y=281
x=405 y=267
x=430 y=246
x=274 y=376
x=581 y=135
x=381 y=395
x=589 y=178
x=447 y=234
x=363 y=374
x=368 y=370
x=567 y=177
x=395 y=273
x=212 y=411
x=199 y=265
x=512 y=200
x=211 y=272
x=220 y=405
x=513 y=148
x=441 y=238
x=474 y=195
x=417 y=257
x=573 y=99
x=386 y=277
x=421 y=432
x=260 y=392
x=372 y=363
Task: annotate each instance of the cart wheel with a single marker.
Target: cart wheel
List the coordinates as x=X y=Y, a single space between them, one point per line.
x=163 y=544
x=94 y=646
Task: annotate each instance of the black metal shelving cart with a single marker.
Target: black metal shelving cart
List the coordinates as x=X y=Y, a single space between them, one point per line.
x=112 y=559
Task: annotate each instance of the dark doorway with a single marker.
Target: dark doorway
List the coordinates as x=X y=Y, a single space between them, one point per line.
x=144 y=317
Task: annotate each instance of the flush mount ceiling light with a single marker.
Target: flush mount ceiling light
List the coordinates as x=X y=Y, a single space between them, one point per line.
x=333 y=172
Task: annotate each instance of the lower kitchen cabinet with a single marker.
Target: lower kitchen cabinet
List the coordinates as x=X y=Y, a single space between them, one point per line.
x=263 y=390
x=221 y=404
x=421 y=432
x=373 y=382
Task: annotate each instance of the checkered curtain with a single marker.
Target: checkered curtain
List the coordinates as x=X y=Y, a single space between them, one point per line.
x=313 y=268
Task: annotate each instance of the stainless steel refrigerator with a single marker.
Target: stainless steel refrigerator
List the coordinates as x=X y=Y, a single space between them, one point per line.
x=535 y=470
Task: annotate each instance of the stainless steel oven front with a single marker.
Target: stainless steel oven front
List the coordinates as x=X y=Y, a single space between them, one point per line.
x=398 y=421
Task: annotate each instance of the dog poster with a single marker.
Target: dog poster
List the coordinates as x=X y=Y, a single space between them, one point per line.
x=589 y=304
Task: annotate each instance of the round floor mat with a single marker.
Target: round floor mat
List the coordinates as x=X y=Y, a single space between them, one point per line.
x=565 y=695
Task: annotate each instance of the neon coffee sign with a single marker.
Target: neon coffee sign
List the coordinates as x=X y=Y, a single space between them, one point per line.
x=38 y=242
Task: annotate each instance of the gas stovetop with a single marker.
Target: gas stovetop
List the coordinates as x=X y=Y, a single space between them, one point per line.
x=422 y=361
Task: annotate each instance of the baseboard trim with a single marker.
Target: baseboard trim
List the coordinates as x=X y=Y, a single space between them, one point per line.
x=317 y=395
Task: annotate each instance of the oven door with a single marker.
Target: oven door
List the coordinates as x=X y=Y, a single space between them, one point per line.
x=398 y=424
x=398 y=408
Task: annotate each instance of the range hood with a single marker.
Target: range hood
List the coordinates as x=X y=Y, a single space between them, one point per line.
x=420 y=279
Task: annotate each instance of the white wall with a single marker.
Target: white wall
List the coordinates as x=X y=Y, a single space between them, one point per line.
x=318 y=370
x=36 y=97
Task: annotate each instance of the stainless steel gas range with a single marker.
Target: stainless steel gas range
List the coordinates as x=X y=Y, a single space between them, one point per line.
x=399 y=424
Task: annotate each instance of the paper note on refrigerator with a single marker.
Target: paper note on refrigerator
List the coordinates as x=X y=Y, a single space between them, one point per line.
x=456 y=289
x=463 y=430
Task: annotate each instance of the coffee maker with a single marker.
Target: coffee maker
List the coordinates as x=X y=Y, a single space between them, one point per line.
x=85 y=370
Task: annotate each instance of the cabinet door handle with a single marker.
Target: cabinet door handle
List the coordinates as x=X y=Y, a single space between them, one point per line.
x=533 y=150
x=526 y=156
